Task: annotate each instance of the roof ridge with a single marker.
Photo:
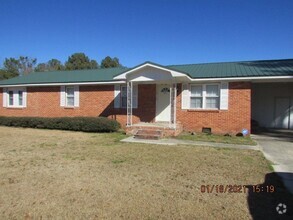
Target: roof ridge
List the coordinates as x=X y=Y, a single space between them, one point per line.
x=111 y=68
x=244 y=61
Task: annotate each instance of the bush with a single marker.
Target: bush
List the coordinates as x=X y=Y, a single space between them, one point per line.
x=87 y=124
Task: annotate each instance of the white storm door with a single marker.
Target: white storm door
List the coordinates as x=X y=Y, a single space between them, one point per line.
x=163 y=107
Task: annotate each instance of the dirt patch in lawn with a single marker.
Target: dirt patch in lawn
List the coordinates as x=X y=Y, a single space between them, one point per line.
x=74 y=175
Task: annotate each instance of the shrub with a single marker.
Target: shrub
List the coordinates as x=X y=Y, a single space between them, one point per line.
x=87 y=124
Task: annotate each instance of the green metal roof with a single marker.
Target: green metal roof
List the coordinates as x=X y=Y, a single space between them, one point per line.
x=206 y=70
x=259 y=68
x=95 y=75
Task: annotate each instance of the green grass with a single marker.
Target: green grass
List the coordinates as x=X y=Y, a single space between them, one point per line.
x=217 y=138
x=118 y=161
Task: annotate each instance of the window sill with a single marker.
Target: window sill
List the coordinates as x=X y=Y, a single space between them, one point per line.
x=203 y=110
x=70 y=107
x=124 y=108
x=15 y=107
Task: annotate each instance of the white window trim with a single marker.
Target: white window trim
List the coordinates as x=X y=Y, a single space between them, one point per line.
x=204 y=96
x=63 y=96
x=15 y=92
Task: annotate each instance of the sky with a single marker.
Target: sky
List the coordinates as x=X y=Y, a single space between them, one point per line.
x=162 y=31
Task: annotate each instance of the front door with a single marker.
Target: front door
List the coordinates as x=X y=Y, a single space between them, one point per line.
x=282 y=112
x=163 y=107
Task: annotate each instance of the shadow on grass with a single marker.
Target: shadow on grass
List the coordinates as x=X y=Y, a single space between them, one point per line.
x=264 y=198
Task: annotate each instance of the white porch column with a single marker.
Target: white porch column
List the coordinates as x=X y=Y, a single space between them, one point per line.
x=173 y=94
x=129 y=103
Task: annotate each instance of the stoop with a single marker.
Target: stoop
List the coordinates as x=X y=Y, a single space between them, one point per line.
x=153 y=131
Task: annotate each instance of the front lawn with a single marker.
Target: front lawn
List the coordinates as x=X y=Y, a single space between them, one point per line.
x=48 y=174
x=216 y=138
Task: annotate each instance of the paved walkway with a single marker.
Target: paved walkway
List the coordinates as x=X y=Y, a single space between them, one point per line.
x=171 y=141
x=278 y=148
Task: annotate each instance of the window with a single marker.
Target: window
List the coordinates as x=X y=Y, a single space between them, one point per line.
x=204 y=96
x=70 y=96
x=15 y=97
x=123 y=96
x=120 y=96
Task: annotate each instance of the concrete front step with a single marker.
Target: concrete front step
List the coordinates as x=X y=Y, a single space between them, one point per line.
x=148 y=137
x=149 y=131
x=148 y=134
x=153 y=129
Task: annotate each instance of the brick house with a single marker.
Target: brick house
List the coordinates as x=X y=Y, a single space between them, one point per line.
x=221 y=96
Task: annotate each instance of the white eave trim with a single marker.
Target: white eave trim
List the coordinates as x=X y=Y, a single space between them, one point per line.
x=262 y=78
x=256 y=78
x=64 y=84
x=173 y=72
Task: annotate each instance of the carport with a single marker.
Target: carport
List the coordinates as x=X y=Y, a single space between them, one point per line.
x=272 y=104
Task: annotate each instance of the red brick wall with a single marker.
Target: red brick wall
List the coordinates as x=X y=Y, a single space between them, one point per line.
x=94 y=101
x=98 y=101
x=45 y=102
x=231 y=121
x=146 y=111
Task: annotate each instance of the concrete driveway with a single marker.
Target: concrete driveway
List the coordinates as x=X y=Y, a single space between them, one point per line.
x=277 y=146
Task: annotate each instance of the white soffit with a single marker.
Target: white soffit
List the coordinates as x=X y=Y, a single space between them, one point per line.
x=172 y=72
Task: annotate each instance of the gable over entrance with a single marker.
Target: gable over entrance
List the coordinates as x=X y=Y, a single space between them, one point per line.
x=150 y=72
x=165 y=80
